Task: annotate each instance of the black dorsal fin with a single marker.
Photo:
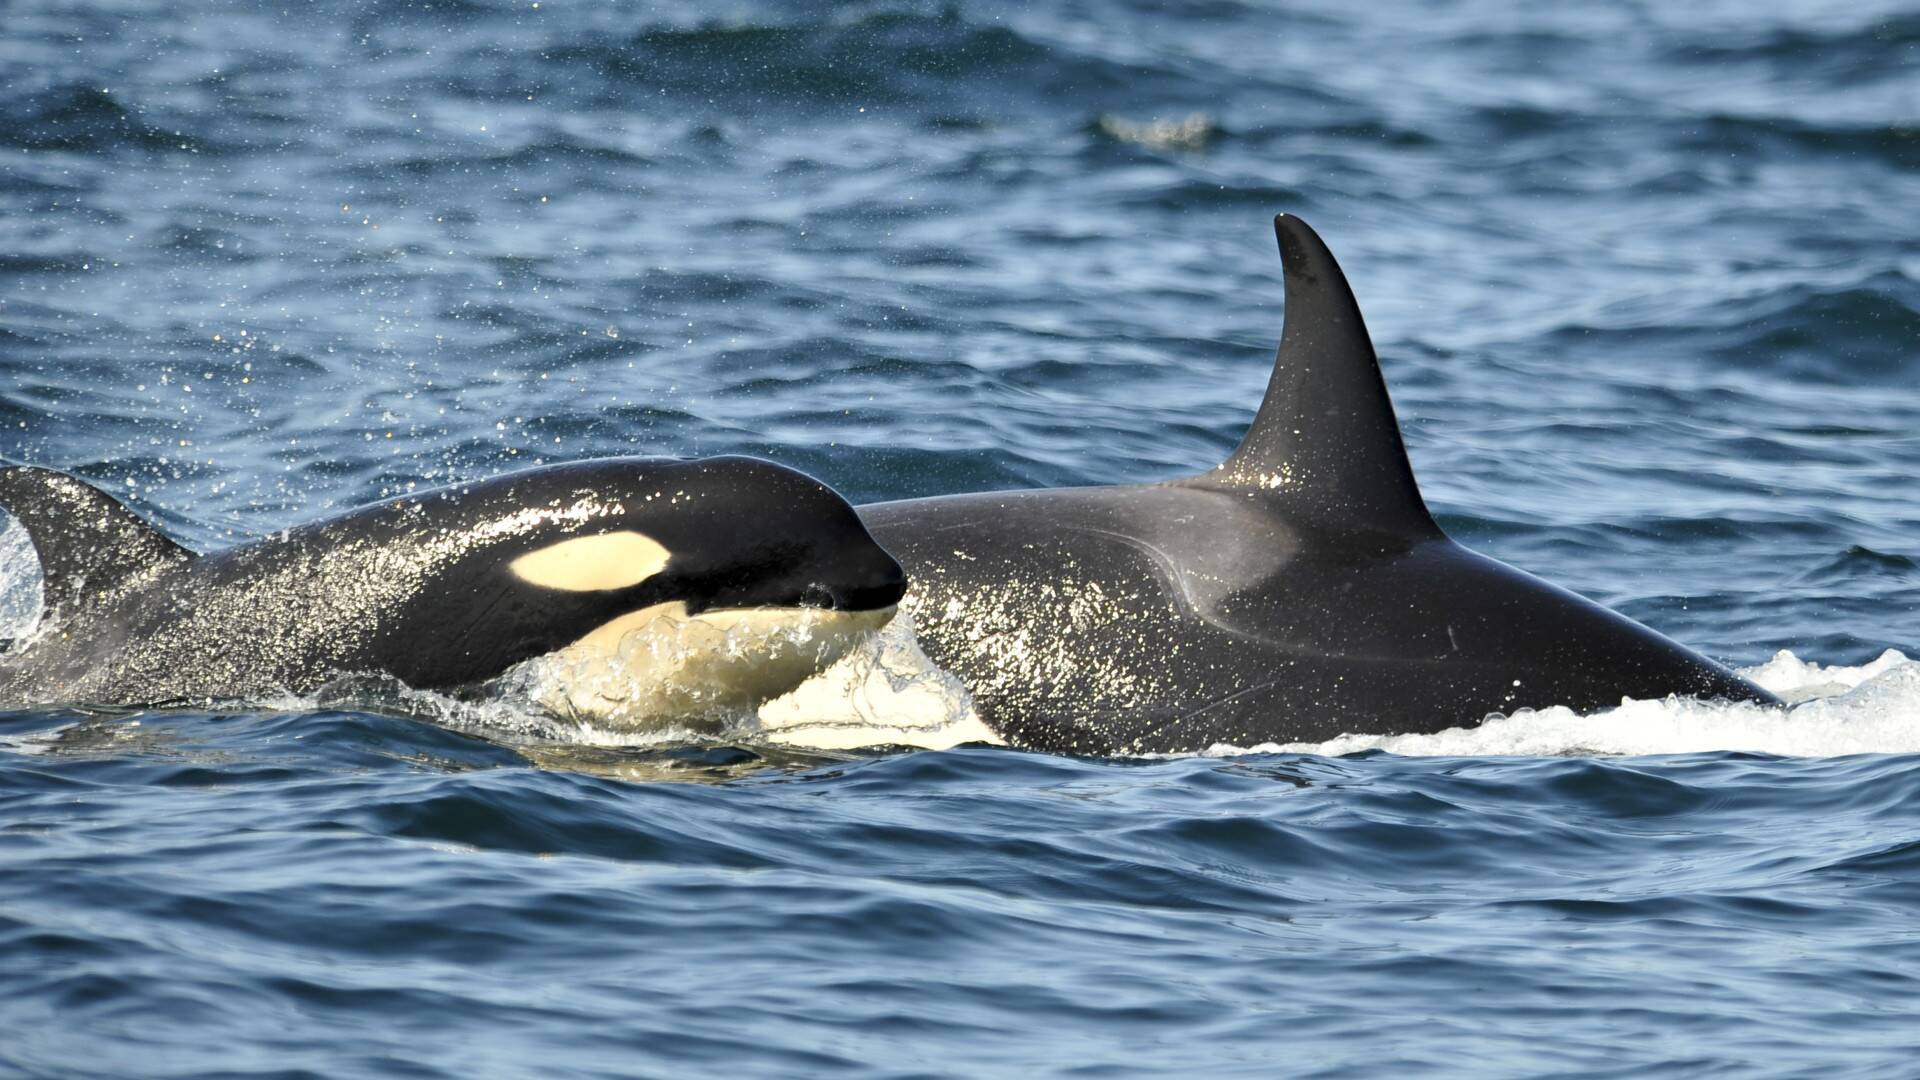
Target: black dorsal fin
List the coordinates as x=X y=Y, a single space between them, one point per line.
x=89 y=545
x=1325 y=443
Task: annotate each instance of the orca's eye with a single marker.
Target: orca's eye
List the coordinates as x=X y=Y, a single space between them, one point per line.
x=816 y=595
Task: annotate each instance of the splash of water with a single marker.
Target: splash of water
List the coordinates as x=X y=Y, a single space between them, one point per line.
x=887 y=693
x=1872 y=708
x=20 y=599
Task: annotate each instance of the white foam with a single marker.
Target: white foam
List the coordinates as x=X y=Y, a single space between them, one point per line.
x=1873 y=708
x=884 y=693
x=1794 y=679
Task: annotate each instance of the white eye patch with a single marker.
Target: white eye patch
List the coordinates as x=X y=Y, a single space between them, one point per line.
x=589 y=563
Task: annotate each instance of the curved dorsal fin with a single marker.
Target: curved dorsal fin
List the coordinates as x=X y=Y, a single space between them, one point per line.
x=88 y=543
x=1325 y=443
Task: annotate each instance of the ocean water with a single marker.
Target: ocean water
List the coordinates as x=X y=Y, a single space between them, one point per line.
x=1645 y=282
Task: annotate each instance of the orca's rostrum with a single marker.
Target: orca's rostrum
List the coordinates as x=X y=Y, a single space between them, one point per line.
x=1297 y=592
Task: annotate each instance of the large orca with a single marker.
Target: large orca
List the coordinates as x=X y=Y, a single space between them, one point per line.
x=1298 y=591
x=651 y=588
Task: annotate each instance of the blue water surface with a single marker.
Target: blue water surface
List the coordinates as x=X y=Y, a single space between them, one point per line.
x=1645 y=282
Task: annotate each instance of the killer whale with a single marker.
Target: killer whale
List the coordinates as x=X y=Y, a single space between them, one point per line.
x=628 y=573
x=1298 y=591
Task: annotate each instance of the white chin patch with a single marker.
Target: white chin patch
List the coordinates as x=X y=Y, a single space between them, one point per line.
x=663 y=665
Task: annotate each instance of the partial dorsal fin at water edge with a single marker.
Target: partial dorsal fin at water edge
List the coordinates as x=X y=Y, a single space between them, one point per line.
x=89 y=543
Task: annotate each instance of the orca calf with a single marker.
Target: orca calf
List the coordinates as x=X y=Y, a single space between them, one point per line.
x=1298 y=591
x=652 y=588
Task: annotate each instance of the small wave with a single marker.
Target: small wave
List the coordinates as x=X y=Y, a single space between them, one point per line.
x=1893 y=143
x=77 y=117
x=1834 y=335
x=1861 y=563
x=1872 y=708
x=580 y=163
x=1197 y=194
x=1855 y=53
x=874 y=58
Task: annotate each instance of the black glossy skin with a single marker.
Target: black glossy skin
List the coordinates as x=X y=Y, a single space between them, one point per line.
x=419 y=587
x=1299 y=592
x=1170 y=618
